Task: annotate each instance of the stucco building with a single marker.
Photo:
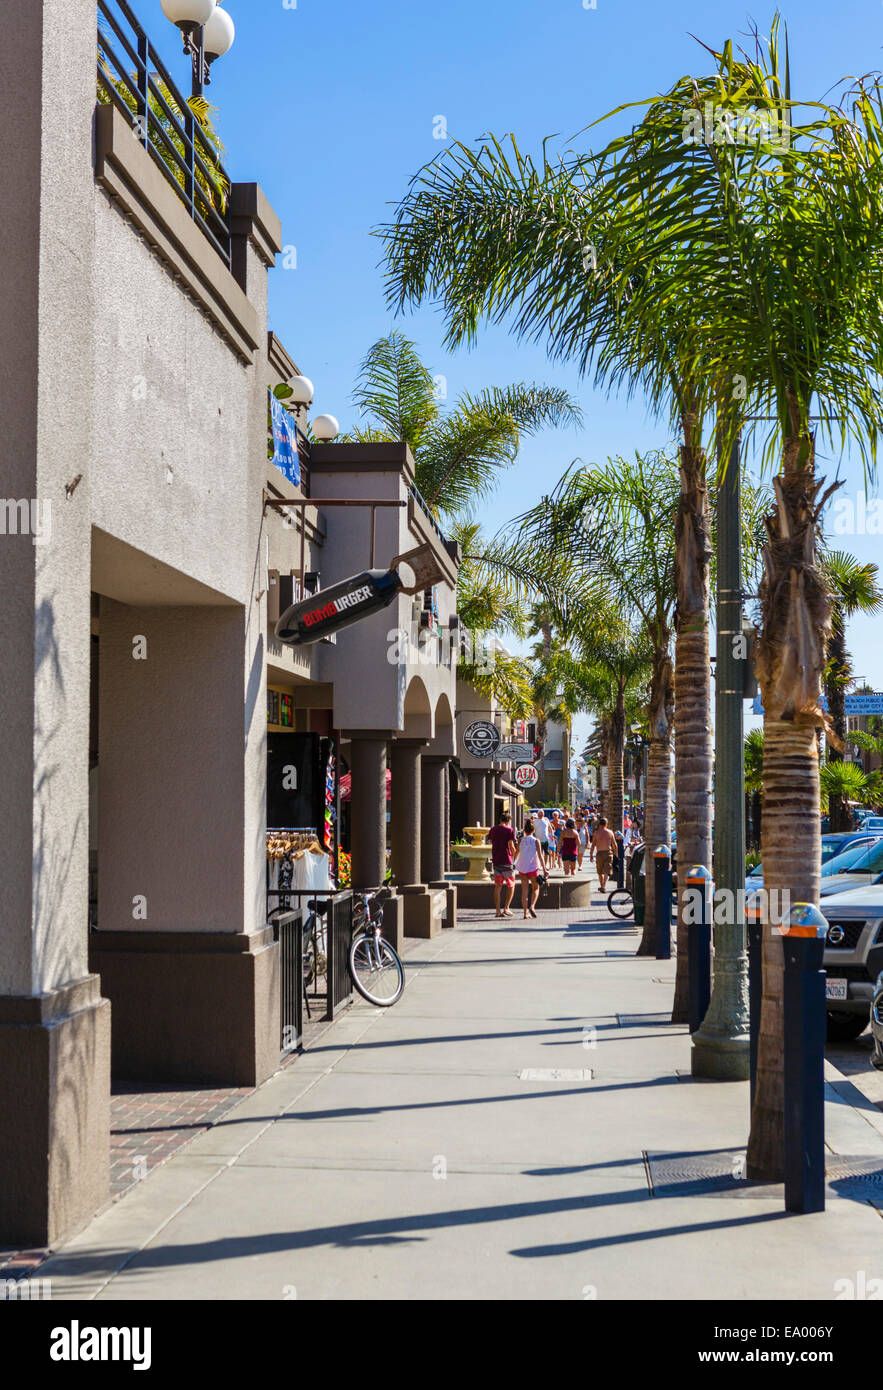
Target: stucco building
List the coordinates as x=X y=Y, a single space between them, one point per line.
x=141 y=568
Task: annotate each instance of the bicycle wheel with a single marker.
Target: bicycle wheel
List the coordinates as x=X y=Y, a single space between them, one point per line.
x=376 y=971
x=619 y=902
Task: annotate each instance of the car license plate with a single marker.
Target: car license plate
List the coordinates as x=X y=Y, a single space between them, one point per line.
x=835 y=989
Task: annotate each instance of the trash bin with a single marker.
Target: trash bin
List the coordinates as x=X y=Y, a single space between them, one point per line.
x=638 y=885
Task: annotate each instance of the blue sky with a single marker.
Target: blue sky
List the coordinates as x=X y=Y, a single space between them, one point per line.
x=331 y=106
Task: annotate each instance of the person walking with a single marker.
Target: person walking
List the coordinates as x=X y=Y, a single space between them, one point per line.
x=603 y=850
x=502 y=841
x=529 y=863
x=555 y=829
x=541 y=829
x=568 y=847
x=582 y=831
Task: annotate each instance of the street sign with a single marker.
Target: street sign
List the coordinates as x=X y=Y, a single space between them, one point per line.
x=514 y=753
x=526 y=775
x=481 y=739
x=855 y=704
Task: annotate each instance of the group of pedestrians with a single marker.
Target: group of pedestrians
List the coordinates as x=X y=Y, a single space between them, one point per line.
x=544 y=844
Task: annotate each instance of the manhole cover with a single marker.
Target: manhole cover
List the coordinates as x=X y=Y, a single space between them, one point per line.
x=555 y=1074
x=641 y=1020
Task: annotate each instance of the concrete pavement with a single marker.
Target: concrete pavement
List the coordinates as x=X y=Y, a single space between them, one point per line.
x=501 y=1132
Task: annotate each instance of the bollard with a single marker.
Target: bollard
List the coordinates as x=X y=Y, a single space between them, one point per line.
x=620 y=859
x=754 y=923
x=662 y=887
x=697 y=915
x=804 y=1057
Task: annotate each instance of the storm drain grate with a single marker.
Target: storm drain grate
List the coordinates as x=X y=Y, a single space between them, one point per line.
x=721 y=1173
x=641 y=1020
x=860 y=1179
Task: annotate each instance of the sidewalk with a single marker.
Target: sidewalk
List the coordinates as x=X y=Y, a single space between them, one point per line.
x=522 y=1124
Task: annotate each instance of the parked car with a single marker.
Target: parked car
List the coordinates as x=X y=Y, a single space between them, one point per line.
x=853 y=959
x=858 y=865
x=833 y=845
x=874 y=823
x=877 y=1024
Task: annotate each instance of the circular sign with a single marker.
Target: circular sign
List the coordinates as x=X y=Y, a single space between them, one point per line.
x=526 y=775
x=481 y=739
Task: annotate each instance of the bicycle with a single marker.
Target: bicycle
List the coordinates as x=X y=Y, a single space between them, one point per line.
x=375 y=968
x=620 y=902
x=315 y=960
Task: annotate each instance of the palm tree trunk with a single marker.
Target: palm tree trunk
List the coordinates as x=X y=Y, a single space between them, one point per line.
x=790 y=661
x=692 y=713
x=657 y=810
x=604 y=792
x=615 y=754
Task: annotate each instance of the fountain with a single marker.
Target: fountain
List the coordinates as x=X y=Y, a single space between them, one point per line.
x=477 y=852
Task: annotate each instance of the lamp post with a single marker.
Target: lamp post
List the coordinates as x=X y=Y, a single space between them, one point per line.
x=208 y=33
x=642 y=743
x=721 y=1044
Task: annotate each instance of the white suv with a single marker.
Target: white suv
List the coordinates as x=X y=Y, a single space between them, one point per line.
x=853 y=957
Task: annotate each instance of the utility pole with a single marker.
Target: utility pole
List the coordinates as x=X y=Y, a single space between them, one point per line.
x=720 y=1046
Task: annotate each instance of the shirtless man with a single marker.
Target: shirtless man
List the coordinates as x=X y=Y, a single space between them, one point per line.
x=603 y=850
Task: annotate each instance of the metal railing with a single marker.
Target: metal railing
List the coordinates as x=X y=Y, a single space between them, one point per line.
x=427 y=512
x=288 y=932
x=133 y=77
x=336 y=934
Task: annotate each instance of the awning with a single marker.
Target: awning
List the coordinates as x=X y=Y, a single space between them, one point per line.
x=460 y=776
x=346 y=783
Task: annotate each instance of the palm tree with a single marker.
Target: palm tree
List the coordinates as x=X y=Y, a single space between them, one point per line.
x=792 y=231
x=458 y=454
x=560 y=250
x=603 y=671
x=847 y=782
x=803 y=235
x=854 y=589
x=754 y=784
x=616 y=525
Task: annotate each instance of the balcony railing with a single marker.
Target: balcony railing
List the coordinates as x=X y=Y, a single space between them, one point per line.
x=427 y=512
x=132 y=76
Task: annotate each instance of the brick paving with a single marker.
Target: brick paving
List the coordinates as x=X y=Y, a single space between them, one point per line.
x=150 y=1123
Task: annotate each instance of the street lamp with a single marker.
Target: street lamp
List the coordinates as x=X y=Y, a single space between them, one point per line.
x=325 y=427
x=301 y=390
x=207 y=31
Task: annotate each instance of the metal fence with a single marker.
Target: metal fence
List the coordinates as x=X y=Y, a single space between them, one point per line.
x=289 y=933
x=322 y=937
x=132 y=76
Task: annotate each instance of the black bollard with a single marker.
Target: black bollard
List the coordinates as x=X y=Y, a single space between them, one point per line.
x=754 y=922
x=697 y=915
x=662 y=888
x=620 y=859
x=804 y=1057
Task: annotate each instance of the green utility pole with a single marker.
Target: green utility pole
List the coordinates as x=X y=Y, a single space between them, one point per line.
x=720 y=1046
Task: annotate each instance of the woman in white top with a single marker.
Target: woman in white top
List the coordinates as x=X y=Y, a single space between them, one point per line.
x=529 y=862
